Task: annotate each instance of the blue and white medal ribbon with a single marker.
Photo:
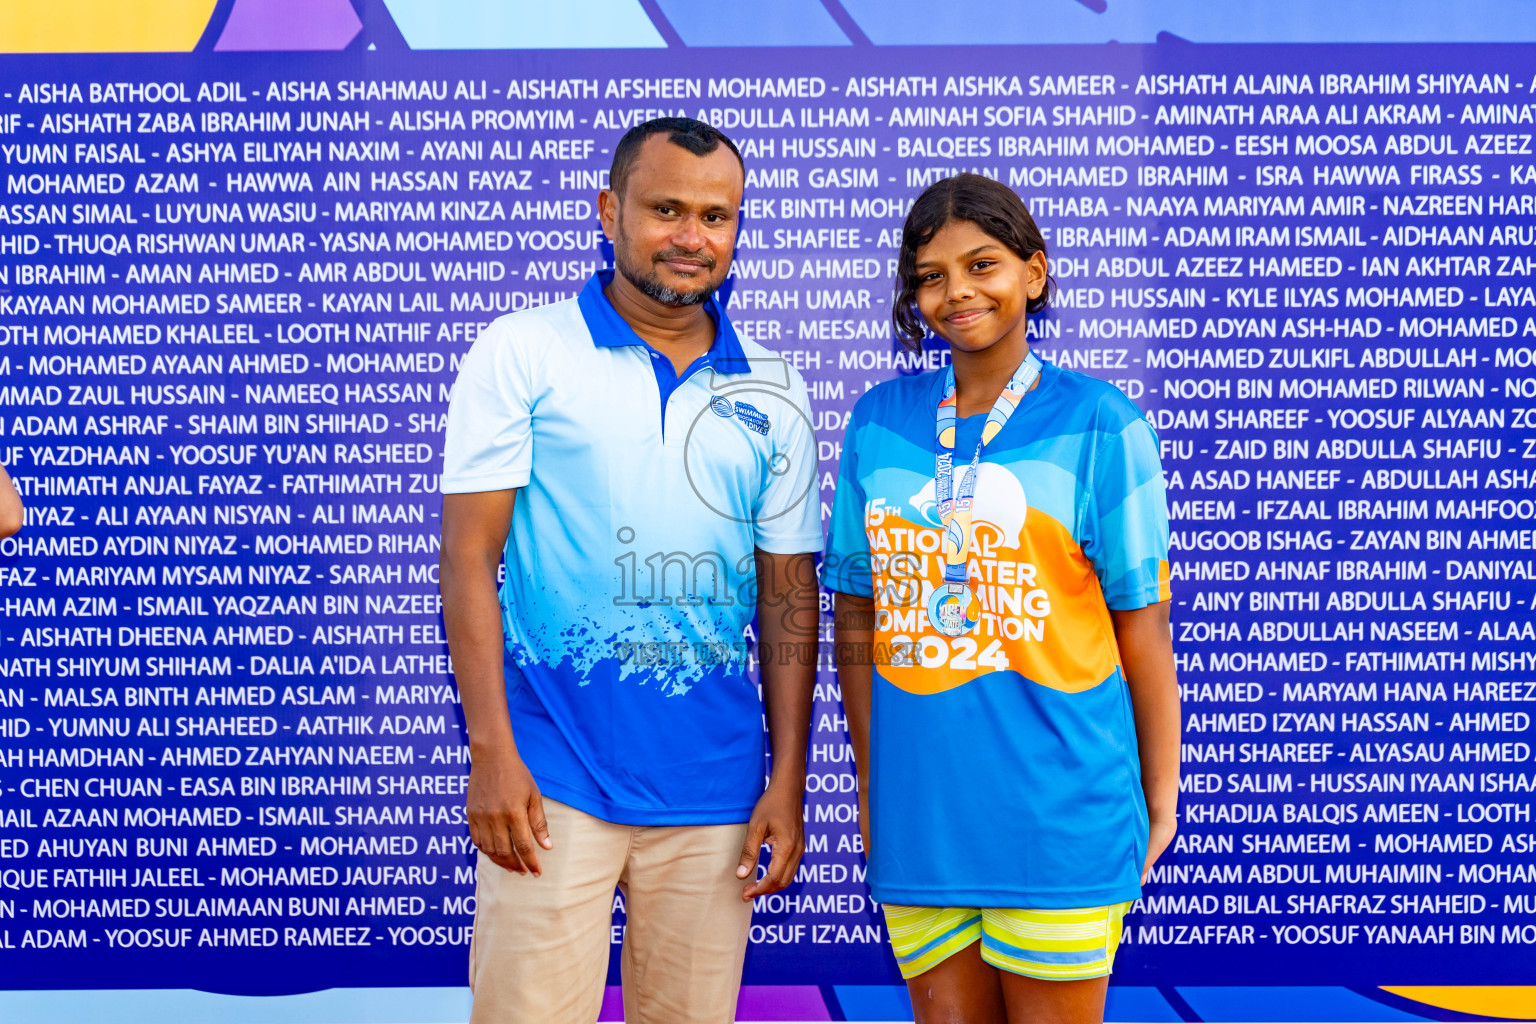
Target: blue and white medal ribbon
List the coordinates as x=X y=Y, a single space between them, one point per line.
x=952 y=607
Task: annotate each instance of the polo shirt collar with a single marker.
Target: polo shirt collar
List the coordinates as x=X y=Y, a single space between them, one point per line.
x=610 y=330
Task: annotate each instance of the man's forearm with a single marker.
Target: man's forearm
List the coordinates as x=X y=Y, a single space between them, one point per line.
x=788 y=692
x=472 y=618
x=788 y=614
x=474 y=529
x=502 y=802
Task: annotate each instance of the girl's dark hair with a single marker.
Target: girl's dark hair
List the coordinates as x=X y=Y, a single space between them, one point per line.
x=991 y=206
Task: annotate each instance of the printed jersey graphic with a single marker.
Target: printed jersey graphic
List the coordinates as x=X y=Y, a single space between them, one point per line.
x=1040 y=610
x=1000 y=504
x=1018 y=563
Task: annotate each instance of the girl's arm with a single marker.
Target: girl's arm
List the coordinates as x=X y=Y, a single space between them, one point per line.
x=853 y=641
x=10 y=505
x=1146 y=652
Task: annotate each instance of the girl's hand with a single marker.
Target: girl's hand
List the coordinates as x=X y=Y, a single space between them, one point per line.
x=853 y=641
x=1146 y=652
x=864 y=816
x=1159 y=834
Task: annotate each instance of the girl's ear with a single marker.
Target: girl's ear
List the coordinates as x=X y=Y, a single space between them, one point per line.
x=1035 y=275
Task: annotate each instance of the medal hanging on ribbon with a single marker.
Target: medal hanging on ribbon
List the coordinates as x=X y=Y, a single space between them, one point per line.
x=952 y=607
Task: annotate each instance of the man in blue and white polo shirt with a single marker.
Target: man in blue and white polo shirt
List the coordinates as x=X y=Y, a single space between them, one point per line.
x=649 y=477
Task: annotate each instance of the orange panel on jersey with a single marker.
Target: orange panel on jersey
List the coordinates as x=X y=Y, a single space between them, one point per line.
x=1051 y=626
x=103 y=26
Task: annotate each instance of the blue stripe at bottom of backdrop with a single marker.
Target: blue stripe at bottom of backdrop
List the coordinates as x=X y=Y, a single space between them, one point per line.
x=448 y=1005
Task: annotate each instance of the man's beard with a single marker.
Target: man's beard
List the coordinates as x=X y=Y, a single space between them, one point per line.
x=651 y=285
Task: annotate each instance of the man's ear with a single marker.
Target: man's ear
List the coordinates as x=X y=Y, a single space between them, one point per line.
x=608 y=211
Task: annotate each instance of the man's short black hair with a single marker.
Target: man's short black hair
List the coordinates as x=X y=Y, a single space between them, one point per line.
x=696 y=137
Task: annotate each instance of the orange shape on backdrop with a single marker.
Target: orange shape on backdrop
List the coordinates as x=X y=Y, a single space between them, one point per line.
x=102 y=26
x=1517 y=1001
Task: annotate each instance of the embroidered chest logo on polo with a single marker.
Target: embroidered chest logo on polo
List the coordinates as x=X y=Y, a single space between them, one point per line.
x=750 y=416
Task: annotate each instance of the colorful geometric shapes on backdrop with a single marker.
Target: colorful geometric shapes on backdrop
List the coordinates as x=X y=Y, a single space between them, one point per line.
x=1142 y=1003
x=289 y=25
x=1512 y=1001
x=756 y=1003
x=753 y=23
x=873 y=1002
x=910 y=22
x=1290 y=1004
x=523 y=24
x=103 y=26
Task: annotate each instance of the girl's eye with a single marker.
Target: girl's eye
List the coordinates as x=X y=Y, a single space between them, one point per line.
x=982 y=264
x=928 y=278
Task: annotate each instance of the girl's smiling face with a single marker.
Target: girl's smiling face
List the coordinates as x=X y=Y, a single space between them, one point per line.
x=972 y=289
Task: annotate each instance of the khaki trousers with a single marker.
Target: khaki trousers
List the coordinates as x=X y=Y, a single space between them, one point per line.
x=539 y=954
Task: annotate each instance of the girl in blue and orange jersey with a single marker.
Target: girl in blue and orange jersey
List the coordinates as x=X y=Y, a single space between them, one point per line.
x=999 y=546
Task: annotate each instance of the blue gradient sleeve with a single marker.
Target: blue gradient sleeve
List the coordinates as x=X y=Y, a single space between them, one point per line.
x=1127 y=519
x=846 y=568
x=488 y=445
x=786 y=517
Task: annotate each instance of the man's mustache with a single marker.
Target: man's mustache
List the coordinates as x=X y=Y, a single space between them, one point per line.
x=683 y=254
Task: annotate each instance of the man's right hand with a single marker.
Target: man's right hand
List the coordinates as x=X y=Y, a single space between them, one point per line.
x=506 y=813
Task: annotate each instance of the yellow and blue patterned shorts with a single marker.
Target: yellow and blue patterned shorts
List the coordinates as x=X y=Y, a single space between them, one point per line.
x=1054 y=945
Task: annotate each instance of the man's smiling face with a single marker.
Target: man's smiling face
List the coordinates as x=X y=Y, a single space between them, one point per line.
x=674 y=228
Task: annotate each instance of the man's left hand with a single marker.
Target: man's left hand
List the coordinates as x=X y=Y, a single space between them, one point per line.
x=778 y=820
